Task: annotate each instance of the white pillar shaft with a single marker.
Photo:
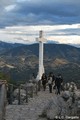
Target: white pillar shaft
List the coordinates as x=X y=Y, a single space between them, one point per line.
x=41 y=39
x=41 y=68
x=41 y=53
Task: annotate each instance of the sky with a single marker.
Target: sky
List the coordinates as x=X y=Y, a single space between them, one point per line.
x=21 y=20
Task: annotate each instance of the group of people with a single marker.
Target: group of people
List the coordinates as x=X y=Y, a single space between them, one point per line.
x=52 y=81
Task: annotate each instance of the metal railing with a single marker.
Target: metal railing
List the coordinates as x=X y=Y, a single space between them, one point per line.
x=2 y=101
x=30 y=91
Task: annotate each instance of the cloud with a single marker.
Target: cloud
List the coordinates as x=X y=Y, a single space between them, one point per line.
x=10 y=7
x=6 y=2
x=28 y=34
x=60 y=19
x=40 y=12
x=72 y=39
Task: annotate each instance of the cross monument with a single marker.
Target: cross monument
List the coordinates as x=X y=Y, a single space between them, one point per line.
x=41 y=39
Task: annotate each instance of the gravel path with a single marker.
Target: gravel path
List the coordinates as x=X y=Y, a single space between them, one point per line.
x=32 y=110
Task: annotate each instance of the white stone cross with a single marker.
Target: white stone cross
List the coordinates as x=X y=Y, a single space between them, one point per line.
x=41 y=39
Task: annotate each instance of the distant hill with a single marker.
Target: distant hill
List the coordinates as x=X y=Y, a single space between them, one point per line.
x=22 y=60
x=7 y=46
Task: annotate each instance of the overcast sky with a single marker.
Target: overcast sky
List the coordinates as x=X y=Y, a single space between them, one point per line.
x=21 y=20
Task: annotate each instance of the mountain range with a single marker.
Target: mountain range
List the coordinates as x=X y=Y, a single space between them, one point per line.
x=20 y=61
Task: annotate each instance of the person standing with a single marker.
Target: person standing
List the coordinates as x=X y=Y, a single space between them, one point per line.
x=44 y=81
x=50 y=82
x=58 y=82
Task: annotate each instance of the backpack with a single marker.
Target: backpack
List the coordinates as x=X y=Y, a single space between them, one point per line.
x=50 y=80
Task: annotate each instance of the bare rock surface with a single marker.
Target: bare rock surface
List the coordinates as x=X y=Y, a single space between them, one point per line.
x=46 y=106
x=31 y=110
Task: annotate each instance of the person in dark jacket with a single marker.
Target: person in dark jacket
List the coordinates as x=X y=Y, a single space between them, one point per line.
x=44 y=81
x=58 y=82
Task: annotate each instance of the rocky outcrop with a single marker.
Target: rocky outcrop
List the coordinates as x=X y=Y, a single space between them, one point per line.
x=70 y=86
x=66 y=104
